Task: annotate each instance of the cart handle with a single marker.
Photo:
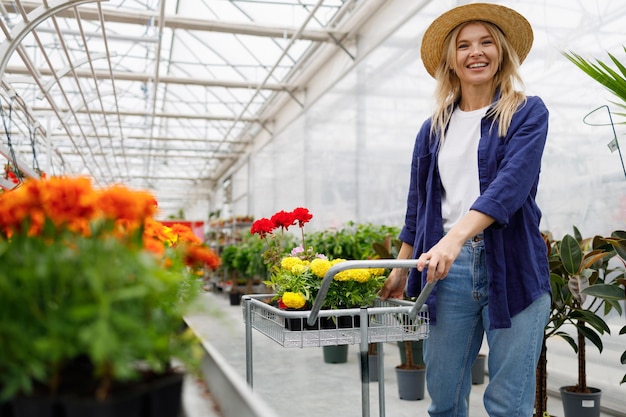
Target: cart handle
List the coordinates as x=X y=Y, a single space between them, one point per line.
x=378 y=263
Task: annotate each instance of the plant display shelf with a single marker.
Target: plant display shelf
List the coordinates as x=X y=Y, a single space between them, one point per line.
x=390 y=320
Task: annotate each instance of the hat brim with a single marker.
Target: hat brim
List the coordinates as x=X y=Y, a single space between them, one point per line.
x=515 y=27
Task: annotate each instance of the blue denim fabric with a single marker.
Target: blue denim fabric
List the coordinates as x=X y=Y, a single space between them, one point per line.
x=508 y=171
x=454 y=343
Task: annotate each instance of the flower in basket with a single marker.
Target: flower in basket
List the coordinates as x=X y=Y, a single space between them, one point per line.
x=298 y=281
x=94 y=288
x=296 y=277
x=267 y=229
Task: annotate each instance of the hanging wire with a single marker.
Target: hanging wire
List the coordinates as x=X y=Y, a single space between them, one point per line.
x=7 y=130
x=31 y=135
x=614 y=143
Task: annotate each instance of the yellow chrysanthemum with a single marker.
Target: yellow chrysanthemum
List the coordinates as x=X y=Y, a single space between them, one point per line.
x=288 y=262
x=293 y=299
x=298 y=268
x=342 y=276
x=320 y=266
x=360 y=275
x=377 y=272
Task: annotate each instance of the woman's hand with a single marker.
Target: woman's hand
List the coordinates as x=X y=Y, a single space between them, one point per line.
x=394 y=284
x=440 y=258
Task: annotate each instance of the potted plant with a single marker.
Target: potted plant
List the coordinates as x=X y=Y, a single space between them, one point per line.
x=227 y=268
x=612 y=288
x=95 y=290
x=295 y=276
x=575 y=264
x=296 y=282
x=242 y=267
x=478 y=369
x=411 y=372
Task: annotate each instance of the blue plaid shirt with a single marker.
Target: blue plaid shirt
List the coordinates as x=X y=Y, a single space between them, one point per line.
x=508 y=170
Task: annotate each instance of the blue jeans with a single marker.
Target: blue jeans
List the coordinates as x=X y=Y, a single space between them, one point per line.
x=454 y=343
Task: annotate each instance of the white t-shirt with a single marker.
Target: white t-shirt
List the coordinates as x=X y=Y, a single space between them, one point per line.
x=458 y=165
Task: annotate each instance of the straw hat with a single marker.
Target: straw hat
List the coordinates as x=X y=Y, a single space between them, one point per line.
x=515 y=27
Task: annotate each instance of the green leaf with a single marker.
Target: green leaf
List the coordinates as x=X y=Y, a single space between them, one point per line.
x=592 y=336
x=571 y=255
x=592 y=319
x=618 y=241
x=568 y=339
x=602 y=73
x=605 y=291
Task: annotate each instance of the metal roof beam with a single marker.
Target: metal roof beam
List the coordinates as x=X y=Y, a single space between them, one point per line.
x=54 y=136
x=163 y=115
x=145 y=77
x=173 y=22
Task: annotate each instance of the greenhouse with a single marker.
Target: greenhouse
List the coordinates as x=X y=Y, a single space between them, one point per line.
x=202 y=130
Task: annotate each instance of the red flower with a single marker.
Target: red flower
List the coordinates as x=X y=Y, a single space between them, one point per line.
x=281 y=305
x=302 y=215
x=284 y=219
x=262 y=227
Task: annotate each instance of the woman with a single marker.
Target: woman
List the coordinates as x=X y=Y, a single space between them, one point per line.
x=471 y=219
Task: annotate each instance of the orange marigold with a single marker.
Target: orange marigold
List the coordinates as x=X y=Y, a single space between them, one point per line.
x=68 y=200
x=185 y=234
x=119 y=202
x=200 y=255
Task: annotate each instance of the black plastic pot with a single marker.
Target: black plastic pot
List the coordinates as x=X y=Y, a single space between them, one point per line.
x=579 y=404
x=411 y=383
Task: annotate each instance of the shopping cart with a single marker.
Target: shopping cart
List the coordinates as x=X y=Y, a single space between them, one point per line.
x=388 y=320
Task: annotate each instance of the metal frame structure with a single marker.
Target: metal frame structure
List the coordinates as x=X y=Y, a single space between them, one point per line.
x=163 y=95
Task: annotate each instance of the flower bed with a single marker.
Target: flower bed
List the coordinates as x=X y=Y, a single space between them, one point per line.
x=89 y=273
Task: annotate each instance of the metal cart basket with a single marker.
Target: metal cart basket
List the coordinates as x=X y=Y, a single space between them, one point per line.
x=387 y=321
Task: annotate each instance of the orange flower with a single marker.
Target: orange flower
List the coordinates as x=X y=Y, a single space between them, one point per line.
x=185 y=234
x=199 y=255
x=73 y=204
x=20 y=205
x=156 y=230
x=118 y=202
x=153 y=245
x=68 y=201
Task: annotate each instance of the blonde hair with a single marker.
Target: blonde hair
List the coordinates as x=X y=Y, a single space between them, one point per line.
x=448 y=90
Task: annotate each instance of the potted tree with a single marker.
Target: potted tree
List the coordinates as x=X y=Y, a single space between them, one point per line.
x=612 y=288
x=576 y=264
x=587 y=261
x=615 y=82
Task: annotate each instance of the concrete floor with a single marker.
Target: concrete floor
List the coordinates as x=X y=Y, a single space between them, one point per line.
x=297 y=381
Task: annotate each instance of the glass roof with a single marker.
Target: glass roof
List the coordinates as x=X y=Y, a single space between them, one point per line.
x=163 y=95
x=168 y=95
